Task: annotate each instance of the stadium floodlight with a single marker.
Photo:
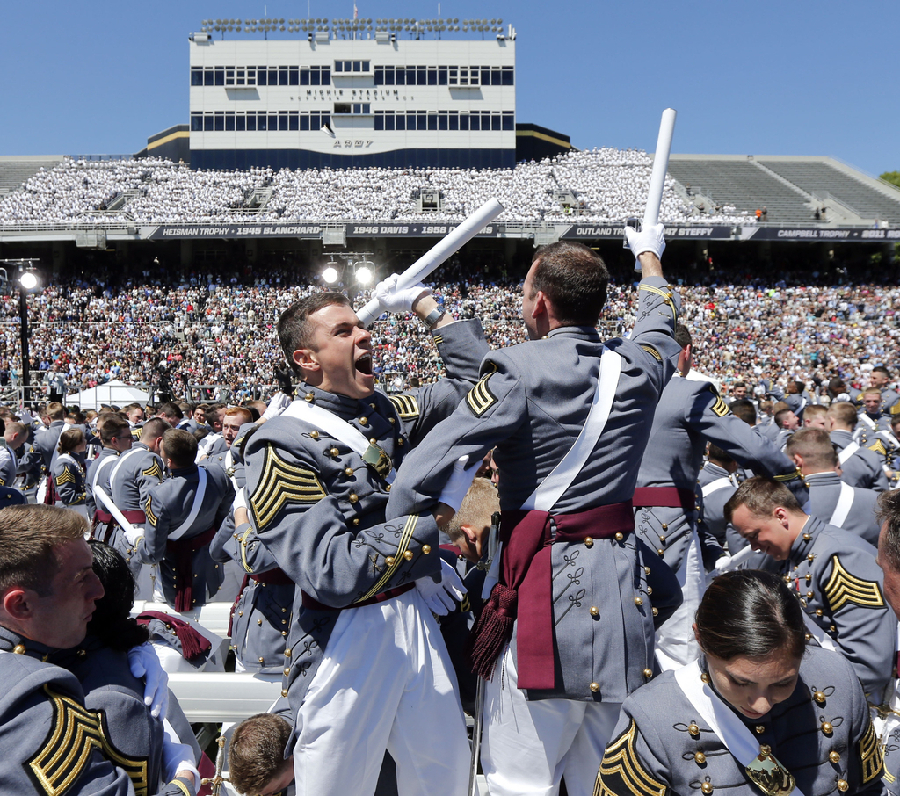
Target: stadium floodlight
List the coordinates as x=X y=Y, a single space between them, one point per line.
x=364 y=275
x=28 y=280
x=330 y=275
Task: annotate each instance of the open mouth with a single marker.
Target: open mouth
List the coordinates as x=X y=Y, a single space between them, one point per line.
x=364 y=364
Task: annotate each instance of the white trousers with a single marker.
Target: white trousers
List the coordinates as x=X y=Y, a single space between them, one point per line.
x=386 y=682
x=529 y=746
x=675 y=642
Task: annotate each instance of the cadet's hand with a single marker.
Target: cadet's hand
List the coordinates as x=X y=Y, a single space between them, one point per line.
x=145 y=665
x=134 y=536
x=393 y=300
x=459 y=482
x=650 y=239
x=276 y=406
x=442 y=591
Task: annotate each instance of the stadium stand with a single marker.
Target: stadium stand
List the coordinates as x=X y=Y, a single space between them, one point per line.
x=14 y=171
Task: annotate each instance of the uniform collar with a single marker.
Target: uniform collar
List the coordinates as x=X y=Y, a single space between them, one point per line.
x=14 y=643
x=182 y=472
x=715 y=469
x=822 y=479
x=840 y=436
x=582 y=332
x=341 y=405
x=804 y=541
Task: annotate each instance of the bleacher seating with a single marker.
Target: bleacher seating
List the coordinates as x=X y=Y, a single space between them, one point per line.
x=14 y=171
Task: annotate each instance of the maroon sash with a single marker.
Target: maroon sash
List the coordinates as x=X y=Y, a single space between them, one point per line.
x=670 y=497
x=182 y=550
x=525 y=588
x=193 y=642
x=313 y=604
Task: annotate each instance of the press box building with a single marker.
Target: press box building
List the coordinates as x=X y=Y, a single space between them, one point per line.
x=361 y=97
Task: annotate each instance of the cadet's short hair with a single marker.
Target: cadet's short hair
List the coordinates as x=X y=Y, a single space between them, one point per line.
x=153 y=428
x=29 y=535
x=815 y=446
x=111 y=426
x=683 y=336
x=480 y=502
x=780 y=415
x=294 y=331
x=814 y=410
x=55 y=410
x=716 y=455
x=70 y=439
x=844 y=414
x=180 y=446
x=889 y=518
x=744 y=409
x=243 y=411
x=749 y=613
x=574 y=278
x=256 y=751
x=872 y=391
x=882 y=370
x=761 y=496
x=837 y=386
x=170 y=409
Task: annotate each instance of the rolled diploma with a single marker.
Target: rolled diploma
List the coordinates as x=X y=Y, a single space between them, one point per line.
x=429 y=261
x=660 y=164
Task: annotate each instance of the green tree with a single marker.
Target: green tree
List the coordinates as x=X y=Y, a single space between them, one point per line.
x=892 y=177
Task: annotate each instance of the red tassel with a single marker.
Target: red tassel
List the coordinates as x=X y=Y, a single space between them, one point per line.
x=492 y=631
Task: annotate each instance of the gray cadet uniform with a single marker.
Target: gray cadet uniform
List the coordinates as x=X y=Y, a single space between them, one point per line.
x=825 y=491
x=889 y=401
x=662 y=746
x=189 y=576
x=839 y=586
x=336 y=506
x=46 y=439
x=716 y=486
x=56 y=740
x=68 y=480
x=860 y=466
x=98 y=476
x=593 y=620
x=8 y=464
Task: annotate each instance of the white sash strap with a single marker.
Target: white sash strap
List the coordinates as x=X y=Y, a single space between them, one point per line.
x=715 y=486
x=182 y=529
x=120 y=462
x=55 y=455
x=554 y=485
x=721 y=719
x=845 y=454
x=736 y=561
x=844 y=504
x=107 y=501
x=334 y=426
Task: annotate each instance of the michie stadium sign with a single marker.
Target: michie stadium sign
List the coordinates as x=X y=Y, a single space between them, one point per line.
x=512 y=230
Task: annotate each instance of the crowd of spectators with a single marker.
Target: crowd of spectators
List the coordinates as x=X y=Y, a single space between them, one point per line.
x=212 y=335
x=603 y=185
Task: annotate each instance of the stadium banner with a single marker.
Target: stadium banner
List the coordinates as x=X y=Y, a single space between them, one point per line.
x=314 y=231
x=825 y=234
x=617 y=232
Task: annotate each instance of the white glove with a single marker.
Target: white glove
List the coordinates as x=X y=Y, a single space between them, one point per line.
x=276 y=406
x=176 y=756
x=441 y=595
x=397 y=301
x=240 y=500
x=133 y=536
x=722 y=564
x=459 y=482
x=650 y=239
x=145 y=665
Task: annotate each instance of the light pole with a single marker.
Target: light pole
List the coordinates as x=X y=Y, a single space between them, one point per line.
x=26 y=281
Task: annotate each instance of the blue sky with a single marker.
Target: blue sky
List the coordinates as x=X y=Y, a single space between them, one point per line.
x=784 y=78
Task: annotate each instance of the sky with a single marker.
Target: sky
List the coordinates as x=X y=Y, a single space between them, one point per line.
x=785 y=78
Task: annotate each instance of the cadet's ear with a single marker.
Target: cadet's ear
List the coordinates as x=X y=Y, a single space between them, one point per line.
x=16 y=604
x=306 y=358
x=539 y=307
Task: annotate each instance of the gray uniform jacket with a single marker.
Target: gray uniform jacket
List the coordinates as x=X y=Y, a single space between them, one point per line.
x=46 y=439
x=690 y=414
x=8 y=464
x=68 y=479
x=864 y=468
x=716 y=486
x=531 y=403
x=168 y=505
x=840 y=589
x=105 y=471
x=319 y=508
x=662 y=746
x=134 y=475
x=824 y=493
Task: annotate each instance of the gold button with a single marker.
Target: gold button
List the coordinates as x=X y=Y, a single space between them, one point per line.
x=649 y=590
x=834 y=757
x=400 y=442
x=348 y=471
x=354 y=498
x=693 y=729
x=808 y=577
x=334 y=452
x=408 y=555
x=287 y=672
x=842 y=785
x=390 y=561
x=811 y=557
x=259 y=621
x=426 y=549
x=648 y=673
x=833 y=629
x=646 y=570
x=665 y=527
x=284 y=610
x=655 y=611
x=356 y=520
x=662 y=538
x=392 y=420
x=240 y=613
x=619 y=536
x=588 y=542
x=638 y=600
x=760 y=729
x=284 y=632
x=806 y=537
x=809 y=595
x=387 y=487
x=660 y=551
x=818 y=612
x=704 y=677
x=287 y=653
x=827 y=728
x=19 y=649
x=699 y=758
x=787 y=578
x=595 y=611
x=314 y=434
x=819 y=696
x=373 y=441
x=707 y=788
x=803 y=602
x=284 y=693
x=595 y=687
x=372 y=406
x=262 y=660
x=807 y=636
x=363 y=420
x=309 y=397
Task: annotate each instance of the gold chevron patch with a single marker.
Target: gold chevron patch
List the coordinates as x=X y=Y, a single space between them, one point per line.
x=871 y=754
x=136 y=433
x=480 y=398
x=154 y=471
x=282 y=483
x=879 y=447
x=148 y=512
x=620 y=762
x=719 y=408
x=653 y=352
x=843 y=588
x=246 y=538
x=407 y=406
x=389 y=571
x=65 y=477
